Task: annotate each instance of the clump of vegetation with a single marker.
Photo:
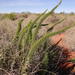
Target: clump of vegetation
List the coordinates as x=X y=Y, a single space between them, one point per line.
x=10 y=16
x=29 y=54
x=72 y=13
x=25 y=15
x=62 y=12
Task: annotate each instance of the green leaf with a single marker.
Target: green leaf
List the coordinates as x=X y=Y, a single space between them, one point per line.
x=22 y=34
x=52 y=26
x=42 y=39
x=18 y=31
x=41 y=20
x=19 y=27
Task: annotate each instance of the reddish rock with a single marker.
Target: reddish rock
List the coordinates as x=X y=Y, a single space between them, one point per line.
x=68 y=53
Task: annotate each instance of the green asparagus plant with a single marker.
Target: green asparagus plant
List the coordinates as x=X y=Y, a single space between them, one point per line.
x=27 y=42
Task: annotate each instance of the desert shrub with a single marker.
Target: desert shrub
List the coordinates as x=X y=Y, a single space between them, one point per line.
x=72 y=13
x=29 y=54
x=25 y=15
x=62 y=12
x=10 y=16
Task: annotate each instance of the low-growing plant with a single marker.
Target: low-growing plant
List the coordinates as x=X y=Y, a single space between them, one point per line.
x=30 y=54
x=10 y=16
x=72 y=13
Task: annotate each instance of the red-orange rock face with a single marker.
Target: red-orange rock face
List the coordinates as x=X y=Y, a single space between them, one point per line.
x=68 y=53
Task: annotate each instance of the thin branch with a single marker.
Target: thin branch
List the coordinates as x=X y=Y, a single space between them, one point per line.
x=44 y=71
x=5 y=71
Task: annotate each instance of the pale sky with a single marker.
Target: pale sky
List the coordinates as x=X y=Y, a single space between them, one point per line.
x=35 y=5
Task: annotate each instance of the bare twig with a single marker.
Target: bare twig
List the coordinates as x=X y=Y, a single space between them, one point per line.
x=5 y=71
x=44 y=71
